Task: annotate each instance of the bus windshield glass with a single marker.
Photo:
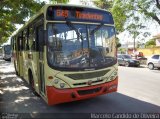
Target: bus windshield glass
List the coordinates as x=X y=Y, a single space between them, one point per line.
x=7 y=49
x=80 y=46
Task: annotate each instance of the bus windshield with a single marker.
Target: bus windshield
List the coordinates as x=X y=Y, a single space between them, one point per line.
x=7 y=49
x=80 y=46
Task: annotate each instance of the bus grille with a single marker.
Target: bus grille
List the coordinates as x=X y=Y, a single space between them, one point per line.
x=80 y=76
x=90 y=91
x=85 y=83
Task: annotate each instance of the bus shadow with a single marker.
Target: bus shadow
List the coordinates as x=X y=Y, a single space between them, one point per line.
x=111 y=103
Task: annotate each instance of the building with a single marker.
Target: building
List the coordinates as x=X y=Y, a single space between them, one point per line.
x=157 y=38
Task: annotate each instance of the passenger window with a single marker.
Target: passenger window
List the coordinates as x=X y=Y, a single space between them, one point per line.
x=32 y=38
x=20 y=42
x=40 y=38
x=25 y=37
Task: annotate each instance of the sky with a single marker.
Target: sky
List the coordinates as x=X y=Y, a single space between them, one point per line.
x=124 y=37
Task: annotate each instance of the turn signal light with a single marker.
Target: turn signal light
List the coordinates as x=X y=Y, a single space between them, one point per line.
x=50 y=77
x=112 y=87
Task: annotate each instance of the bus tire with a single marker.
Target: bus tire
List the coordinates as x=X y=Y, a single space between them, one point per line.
x=31 y=82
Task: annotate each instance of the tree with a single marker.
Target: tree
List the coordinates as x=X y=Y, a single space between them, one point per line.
x=119 y=15
x=14 y=12
x=103 y=4
x=118 y=43
x=122 y=50
x=59 y=1
x=117 y=10
x=150 y=43
x=142 y=11
x=133 y=15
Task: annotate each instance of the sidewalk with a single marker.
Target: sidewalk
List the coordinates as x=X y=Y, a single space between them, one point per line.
x=143 y=65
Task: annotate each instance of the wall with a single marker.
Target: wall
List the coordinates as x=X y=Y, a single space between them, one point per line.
x=149 y=51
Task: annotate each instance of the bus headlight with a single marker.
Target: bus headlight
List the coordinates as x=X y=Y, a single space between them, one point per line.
x=56 y=81
x=60 y=84
x=112 y=76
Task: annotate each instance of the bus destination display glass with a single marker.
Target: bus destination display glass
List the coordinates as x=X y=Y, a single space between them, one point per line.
x=63 y=13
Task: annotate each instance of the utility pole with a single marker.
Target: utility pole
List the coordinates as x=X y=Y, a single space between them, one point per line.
x=134 y=47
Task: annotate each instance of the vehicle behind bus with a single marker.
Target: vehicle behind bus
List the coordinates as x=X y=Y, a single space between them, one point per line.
x=6 y=52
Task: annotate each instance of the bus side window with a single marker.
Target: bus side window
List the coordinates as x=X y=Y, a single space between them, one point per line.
x=25 y=40
x=40 y=38
x=20 y=42
x=14 y=43
x=32 y=38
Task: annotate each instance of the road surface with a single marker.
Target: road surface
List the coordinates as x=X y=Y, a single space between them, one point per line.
x=138 y=92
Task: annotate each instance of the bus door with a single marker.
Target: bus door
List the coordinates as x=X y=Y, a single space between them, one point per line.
x=40 y=65
x=16 y=55
x=20 y=56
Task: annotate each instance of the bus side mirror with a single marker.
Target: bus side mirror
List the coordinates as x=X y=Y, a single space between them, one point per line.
x=107 y=50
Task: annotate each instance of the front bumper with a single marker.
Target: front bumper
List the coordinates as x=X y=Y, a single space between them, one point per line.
x=134 y=63
x=56 y=96
x=7 y=57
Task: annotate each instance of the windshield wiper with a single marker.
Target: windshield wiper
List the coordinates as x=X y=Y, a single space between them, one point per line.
x=97 y=28
x=72 y=26
x=76 y=30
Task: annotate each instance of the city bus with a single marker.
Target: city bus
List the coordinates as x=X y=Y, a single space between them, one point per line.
x=67 y=53
x=6 y=52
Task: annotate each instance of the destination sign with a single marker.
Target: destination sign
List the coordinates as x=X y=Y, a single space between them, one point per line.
x=63 y=13
x=79 y=15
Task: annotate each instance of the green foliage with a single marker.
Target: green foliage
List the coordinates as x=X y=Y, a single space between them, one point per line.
x=142 y=9
x=150 y=43
x=119 y=16
x=103 y=4
x=117 y=42
x=122 y=50
x=14 y=12
x=117 y=10
x=140 y=44
x=130 y=14
x=59 y=1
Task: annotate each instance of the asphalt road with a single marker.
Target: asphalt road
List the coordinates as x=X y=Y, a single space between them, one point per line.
x=138 y=92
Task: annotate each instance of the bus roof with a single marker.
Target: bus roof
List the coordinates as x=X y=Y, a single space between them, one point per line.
x=44 y=8
x=72 y=5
